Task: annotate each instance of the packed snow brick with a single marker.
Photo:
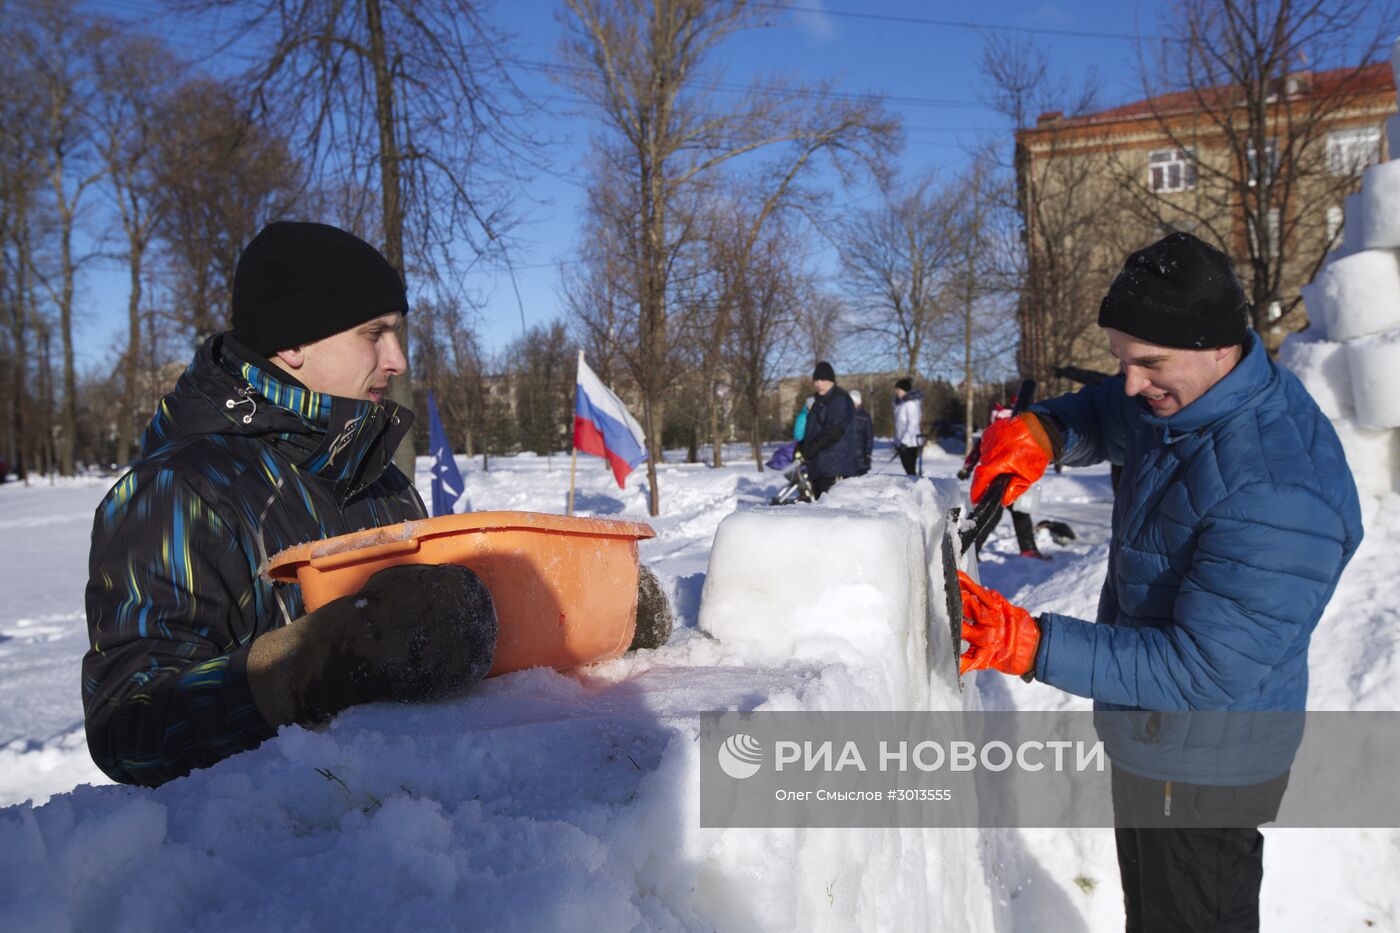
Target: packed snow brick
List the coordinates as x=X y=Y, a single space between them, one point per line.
x=1321 y=366
x=1380 y=192
x=1361 y=294
x=1375 y=379
x=1372 y=455
x=853 y=579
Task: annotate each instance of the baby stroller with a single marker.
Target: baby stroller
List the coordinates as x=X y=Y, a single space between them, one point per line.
x=798 y=488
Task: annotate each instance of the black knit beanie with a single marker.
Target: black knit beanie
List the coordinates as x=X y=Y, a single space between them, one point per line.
x=824 y=371
x=299 y=282
x=905 y=383
x=1178 y=292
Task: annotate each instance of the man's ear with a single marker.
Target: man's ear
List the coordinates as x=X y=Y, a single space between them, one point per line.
x=292 y=359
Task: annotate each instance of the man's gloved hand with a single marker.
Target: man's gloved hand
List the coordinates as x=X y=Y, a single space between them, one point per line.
x=1019 y=446
x=412 y=632
x=1003 y=637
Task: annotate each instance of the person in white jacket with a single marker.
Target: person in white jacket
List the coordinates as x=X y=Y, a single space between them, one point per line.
x=908 y=419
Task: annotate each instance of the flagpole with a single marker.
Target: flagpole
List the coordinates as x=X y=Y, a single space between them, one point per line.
x=573 y=460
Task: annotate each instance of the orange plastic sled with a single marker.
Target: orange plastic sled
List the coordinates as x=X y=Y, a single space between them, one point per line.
x=565 y=588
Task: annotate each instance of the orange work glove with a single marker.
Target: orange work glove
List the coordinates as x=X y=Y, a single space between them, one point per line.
x=1018 y=446
x=1003 y=637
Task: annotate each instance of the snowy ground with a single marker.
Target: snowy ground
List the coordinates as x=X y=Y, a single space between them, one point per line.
x=545 y=801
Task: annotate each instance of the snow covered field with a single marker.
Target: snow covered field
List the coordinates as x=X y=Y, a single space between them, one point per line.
x=546 y=801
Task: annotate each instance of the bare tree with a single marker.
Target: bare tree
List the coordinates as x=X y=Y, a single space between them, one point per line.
x=1065 y=184
x=54 y=47
x=20 y=181
x=893 y=257
x=542 y=362
x=220 y=177
x=978 y=326
x=1248 y=90
x=820 y=322
x=643 y=66
x=408 y=98
x=766 y=284
x=133 y=77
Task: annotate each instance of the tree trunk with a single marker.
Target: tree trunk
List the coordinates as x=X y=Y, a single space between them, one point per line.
x=70 y=383
x=716 y=429
x=126 y=417
x=653 y=452
x=391 y=194
x=24 y=295
x=754 y=440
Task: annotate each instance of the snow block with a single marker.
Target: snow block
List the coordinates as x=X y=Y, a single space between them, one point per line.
x=1361 y=294
x=1353 y=219
x=1375 y=381
x=855 y=579
x=1321 y=365
x=1373 y=457
x=1380 y=196
x=1314 y=301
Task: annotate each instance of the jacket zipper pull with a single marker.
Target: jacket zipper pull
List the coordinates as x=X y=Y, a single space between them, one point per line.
x=1167 y=800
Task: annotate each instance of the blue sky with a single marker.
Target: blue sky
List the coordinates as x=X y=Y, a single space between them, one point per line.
x=911 y=51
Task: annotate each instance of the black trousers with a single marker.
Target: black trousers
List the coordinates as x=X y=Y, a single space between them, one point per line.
x=909 y=459
x=820 y=484
x=1183 y=872
x=1025 y=530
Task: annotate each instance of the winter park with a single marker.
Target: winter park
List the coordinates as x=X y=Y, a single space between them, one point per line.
x=700 y=465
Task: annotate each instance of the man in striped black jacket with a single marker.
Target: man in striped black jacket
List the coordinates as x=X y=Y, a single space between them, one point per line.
x=280 y=432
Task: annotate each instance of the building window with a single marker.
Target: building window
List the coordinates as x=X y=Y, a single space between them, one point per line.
x=1268 y=169
x=1171 y=169
x=1350 y=151
x=1334 y=223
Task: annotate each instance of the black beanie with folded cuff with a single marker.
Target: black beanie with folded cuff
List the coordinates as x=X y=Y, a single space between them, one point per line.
x=297 y=283
x=1178 y=292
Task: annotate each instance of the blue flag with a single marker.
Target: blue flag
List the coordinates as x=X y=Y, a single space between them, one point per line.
x=447 y=480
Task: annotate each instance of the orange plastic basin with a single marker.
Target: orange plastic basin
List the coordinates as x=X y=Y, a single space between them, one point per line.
x=565 y=588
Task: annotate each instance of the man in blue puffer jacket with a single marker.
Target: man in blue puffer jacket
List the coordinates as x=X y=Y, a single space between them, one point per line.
x=1234 y=518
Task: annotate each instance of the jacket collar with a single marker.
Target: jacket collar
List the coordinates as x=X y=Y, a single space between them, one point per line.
x=1241 y=388
x=348 y=442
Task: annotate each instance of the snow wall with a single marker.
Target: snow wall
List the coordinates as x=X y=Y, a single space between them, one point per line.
x=1349 y=357
x=546 y=801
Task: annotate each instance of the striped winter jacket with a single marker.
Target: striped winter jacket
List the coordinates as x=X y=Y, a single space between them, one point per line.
x=236 y=465
x=1232 y=523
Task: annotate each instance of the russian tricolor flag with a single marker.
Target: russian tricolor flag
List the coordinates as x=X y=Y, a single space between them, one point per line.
x=603 y=427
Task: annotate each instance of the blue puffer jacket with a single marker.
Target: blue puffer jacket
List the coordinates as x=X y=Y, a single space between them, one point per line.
x=1233 y=521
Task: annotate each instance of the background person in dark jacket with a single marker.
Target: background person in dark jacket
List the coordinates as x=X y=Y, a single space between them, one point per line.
x=1234 y=519
x=865 y=434
x=280 y=432
x=829 y=443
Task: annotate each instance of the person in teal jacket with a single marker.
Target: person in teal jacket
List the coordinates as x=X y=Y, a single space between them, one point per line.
x=1233 y=521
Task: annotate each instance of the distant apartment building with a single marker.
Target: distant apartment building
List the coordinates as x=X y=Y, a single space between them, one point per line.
x=1093 y=188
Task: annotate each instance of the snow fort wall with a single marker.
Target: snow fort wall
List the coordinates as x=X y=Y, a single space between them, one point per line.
x=1374 y=364
x=548 y=801
x=1361 y=294
x=1380 y=194
x=1373 y=456
x=855 y=578
x=1321 y=365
